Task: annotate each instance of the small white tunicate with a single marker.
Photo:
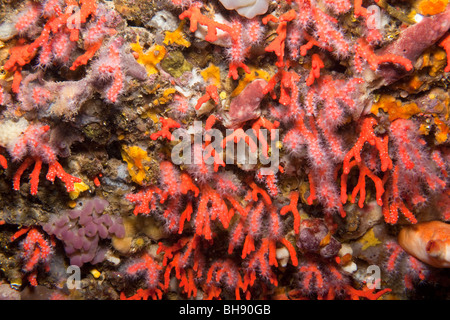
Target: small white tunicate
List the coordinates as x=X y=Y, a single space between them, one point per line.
x=247 y=8
x=7 y=31
x=111 y=257
x=418 y=18
x=223 y=38
x=282 y=255
x=345 y=249
x=164 y=20
x=350 y=268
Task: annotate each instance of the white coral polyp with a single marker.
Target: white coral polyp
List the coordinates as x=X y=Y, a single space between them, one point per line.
x=10 y=132
x=247 y=8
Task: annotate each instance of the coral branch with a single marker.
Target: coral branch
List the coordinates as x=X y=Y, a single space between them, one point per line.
x=167 y=124
x=368 y=135
x=36 y=251
x=211 y=93
x=292 y=207
x=446 y=45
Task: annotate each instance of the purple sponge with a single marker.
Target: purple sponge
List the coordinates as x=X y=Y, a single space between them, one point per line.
x=81 y=230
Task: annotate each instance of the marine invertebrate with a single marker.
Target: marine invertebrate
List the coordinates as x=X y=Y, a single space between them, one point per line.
x=3 y=162
x=136 y=157
x=247 y=8
x=245 y=106
x=81 y=230
x=28 y=18
x=395 y=108
x=238 y=44
x=177 y=36
x=277 y=46
x=210 y=204
x=166 y=125
x=112 y=69
x=365 y=53
x=211 y=75
x=413 y=41
x=59 y=35
x=322 y=281
x=315 y=130
x=5 y=98
x=428 y=242
x=109 y=74
x=431 y=7
x=314 y=237
x=185 y=257
x=227 y=272
x=211 y=94
x=324 y=33
x=150 y=58
x=446 y=45
x=316 y=65
x=415 y=167
x=292 y=207
x=19 y=57
x=248 y=78
x=32 y=145
x=381 y=144
x=410 y=268
x=37 y=251
x=152 y=272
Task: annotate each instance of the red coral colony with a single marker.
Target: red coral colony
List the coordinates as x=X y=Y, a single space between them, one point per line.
x=224 y=149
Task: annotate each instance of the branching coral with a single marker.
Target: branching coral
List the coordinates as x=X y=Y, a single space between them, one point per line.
x=59 y=35
x=32 y=145
x=37 y=251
